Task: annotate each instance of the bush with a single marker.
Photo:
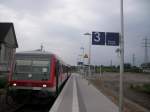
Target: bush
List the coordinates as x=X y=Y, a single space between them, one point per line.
x=141 y=88
x=146 y=88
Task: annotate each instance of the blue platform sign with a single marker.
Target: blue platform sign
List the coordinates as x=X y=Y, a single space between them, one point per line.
x=112 y=39
x=98 y=38
x=79 y=63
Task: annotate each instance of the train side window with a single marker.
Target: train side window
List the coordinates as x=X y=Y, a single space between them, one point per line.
x=57 y=68
x=60 y=69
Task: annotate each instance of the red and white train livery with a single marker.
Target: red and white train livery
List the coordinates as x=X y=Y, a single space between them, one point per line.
x=38 y=71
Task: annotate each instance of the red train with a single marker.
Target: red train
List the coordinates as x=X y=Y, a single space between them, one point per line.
x=38 y=71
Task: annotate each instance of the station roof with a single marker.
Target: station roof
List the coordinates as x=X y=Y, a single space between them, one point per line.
x=4 y=29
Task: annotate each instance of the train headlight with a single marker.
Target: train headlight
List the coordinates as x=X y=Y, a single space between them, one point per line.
x=44 y=85
x=14 y=84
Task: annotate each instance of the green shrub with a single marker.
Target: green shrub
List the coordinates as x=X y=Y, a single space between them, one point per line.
x=141 y=88
x=146 y=88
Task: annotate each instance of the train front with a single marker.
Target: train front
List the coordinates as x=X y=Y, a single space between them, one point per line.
x=31 y=72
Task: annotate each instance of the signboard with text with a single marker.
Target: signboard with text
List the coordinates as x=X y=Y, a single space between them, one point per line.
x=79 y=63
x=105 y=38
x=112 y=39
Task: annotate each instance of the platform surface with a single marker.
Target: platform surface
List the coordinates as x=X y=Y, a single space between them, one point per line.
x=79 y=96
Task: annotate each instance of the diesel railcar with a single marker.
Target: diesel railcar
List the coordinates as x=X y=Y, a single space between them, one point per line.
x=38 y=71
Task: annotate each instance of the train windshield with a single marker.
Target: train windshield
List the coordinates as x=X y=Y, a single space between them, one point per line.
x=32 y=70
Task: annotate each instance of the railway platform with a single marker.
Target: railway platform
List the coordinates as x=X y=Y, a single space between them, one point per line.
x=79 y=96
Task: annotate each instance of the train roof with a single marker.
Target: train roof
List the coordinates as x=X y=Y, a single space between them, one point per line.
x=38 y=53
x=35 y=52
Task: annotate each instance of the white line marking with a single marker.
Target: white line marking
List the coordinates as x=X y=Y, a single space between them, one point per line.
x=75 y=104
x=60 y=98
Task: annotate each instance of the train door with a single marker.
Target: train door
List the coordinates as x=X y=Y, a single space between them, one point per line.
x=57 y=72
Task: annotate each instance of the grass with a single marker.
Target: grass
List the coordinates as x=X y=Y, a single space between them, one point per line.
x=141 y=88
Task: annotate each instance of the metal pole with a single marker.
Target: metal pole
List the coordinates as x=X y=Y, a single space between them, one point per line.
x=146 y=51
x=100 y=69
x=78 y=67
x=133 y=60
x=82 y=48
x=146 y=45
x=89 y=61
x=89 y=58
x=121 y=58
x=83 y=62
x=80 y=59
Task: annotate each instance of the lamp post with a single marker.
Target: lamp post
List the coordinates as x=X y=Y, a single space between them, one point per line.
x=82 y=48
x=89 y=59
x=121 y=58
x=80 y=62
x=77 y=64
x=80 y=57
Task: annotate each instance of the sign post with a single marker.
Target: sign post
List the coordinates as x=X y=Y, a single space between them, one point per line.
x=121 y=58
x=89 y=59
x=113 y=39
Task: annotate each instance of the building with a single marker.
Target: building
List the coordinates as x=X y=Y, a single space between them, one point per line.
x=8 y=45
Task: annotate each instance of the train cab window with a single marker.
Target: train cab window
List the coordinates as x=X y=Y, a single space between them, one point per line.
x=32 y=70
x=40 y=63
x=23 y=62
x=23 y=66
x=40 y=67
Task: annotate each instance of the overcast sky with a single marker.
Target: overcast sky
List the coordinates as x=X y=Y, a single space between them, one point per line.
x=60 y=24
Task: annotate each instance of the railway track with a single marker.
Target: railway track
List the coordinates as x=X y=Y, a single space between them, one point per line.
x=34 y=108
x=26 y=104
x=8 y=105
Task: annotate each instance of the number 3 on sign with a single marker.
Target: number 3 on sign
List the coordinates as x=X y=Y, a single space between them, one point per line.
x=97 y=37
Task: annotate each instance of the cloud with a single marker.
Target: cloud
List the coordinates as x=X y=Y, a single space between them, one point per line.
x=60 y=25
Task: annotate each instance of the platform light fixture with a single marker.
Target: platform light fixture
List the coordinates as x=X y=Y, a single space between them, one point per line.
x=89 y=59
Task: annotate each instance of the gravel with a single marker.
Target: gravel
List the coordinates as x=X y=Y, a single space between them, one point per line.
x=134 y=101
